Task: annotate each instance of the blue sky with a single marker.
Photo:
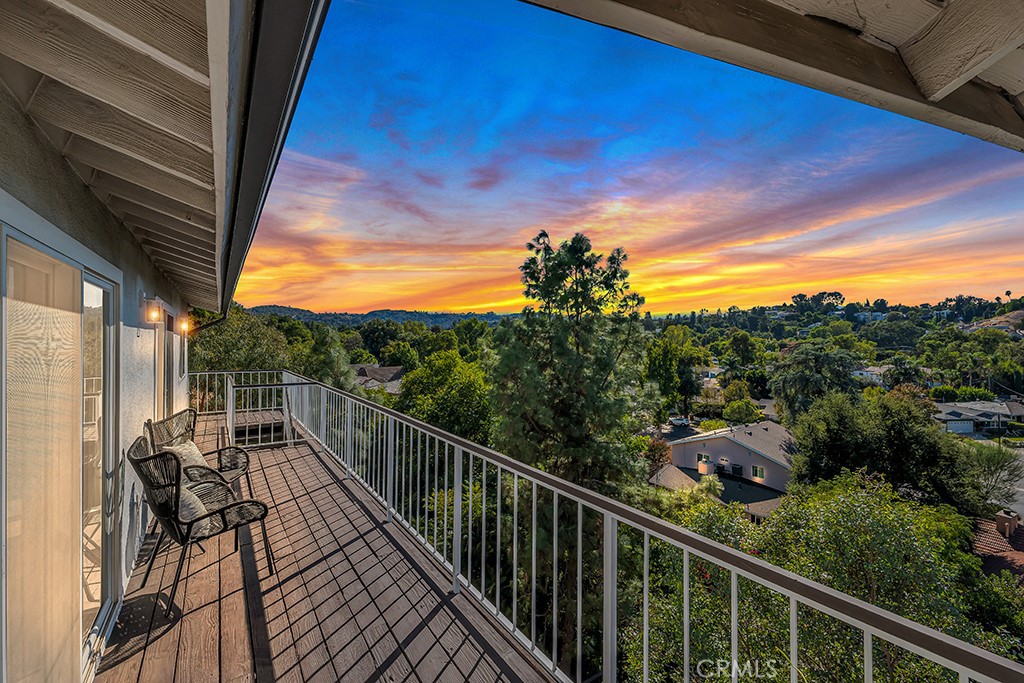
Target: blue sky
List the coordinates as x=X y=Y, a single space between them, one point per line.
x=432 y=140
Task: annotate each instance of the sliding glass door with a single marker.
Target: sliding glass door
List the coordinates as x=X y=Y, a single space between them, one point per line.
x=98 y=494
x=57 y=462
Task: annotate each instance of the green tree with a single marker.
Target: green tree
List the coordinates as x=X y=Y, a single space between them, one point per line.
x=743 y=411
x=400 y=353
x=242 y=342
x=859 y=536
x=450 y=394
x=891 y=434
x=474 y=336
x=438 y=340
x=378 y=333
x=363 y=357
x=965 y=394
x=997 y=470
x=943 y=394
x=812 y=370
x=658 y=454
x=904 y=370
x=326 y=359
x=743 y=346
x=736 y=391
x=672 y=359
x=567 y=372
x=893 y=334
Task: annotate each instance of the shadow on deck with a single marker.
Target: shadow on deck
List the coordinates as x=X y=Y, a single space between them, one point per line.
x=353 y=599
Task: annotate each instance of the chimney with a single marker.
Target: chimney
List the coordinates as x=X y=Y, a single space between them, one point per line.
x=1007 y=522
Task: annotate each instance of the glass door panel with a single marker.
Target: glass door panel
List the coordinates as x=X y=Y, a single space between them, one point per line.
x=95 y=312
x=43 y=457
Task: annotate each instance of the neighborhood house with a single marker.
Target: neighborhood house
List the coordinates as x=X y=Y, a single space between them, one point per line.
x=967 y=417
x=761 y=453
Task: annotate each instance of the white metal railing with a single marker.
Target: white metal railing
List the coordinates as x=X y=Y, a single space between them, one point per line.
x=534 y=550
x=208 y=391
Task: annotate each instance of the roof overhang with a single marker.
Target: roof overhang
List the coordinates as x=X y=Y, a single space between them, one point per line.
x=174 y=113
x=956 y=63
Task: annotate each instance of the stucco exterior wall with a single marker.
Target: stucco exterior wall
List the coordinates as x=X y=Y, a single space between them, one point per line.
x=685 y=455
x=40 y=193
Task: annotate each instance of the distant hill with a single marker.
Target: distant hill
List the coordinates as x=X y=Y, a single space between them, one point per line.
x=1011 y=321
x=352 y=319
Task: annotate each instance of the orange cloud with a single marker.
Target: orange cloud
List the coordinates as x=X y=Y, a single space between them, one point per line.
x=334 y=239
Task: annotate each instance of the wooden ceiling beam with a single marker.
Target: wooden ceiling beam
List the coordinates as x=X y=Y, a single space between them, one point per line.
x=97 y=121
x=759 y=35
x=151 y=220
x=965 y=38
x=172 y=33
x=152 y=200
x=140 y=172
x=178 y=273
x=180 y=260
x=67 y=49
x=203 y=249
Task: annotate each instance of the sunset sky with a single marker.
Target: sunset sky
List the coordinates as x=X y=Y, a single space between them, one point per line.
x=433 y=139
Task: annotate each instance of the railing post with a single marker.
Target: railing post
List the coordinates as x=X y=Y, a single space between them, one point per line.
x=323 y=415
x=229 y=407
x=611 y=574
x=349 y=435
x=390 y=492
x=457 y=537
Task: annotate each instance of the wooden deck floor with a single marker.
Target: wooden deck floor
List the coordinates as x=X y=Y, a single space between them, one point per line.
x=353 y=599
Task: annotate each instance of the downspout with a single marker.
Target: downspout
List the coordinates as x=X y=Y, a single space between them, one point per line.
x=215 y=321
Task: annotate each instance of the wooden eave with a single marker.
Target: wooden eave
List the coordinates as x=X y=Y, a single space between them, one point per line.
x=958 y=64
x=150 y=102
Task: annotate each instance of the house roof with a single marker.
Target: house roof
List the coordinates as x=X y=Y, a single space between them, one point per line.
x=672 y=478
x=979 y=411
x=175 y=116
x=380 y=373
x=993 y=407
x=763 y=508
x=998 y=553
x=737 y=489
x=391 y=387
x=771 y=440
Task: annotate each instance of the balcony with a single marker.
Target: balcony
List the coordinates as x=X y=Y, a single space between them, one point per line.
x=352 y=598
x=404 y=552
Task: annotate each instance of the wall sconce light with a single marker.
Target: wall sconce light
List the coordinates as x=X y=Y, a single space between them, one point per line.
x=152 y=310
x=184 y=327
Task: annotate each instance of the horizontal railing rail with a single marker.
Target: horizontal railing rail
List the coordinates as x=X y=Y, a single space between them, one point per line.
x=208 y=390
x=538 y=558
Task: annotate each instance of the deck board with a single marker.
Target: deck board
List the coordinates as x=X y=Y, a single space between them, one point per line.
x=353 y=598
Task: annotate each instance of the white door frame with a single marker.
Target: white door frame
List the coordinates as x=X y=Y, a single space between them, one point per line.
x=18 y=221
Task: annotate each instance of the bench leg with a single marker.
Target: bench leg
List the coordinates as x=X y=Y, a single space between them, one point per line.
x=177 y=577
x=266 y=545
x=152 y=558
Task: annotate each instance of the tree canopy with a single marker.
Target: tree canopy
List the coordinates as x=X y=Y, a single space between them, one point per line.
x=809 y=372
x=567 y=372
x=449 y=393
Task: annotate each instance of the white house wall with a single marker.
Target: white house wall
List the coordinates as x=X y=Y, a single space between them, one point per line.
x=685 y=455
x=42 y=196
